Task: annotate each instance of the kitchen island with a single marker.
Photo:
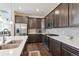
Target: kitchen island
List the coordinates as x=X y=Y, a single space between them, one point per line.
x=13 y=51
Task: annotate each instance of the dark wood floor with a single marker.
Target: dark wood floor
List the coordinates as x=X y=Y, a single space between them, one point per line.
x=38 y=46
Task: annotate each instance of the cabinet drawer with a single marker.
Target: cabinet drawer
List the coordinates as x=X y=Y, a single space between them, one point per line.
x=71 y=49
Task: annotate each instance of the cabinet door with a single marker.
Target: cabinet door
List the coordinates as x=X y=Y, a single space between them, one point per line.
x=35 y=23
x=38 y=23
x=63 y=22
x=66 y=53
x=34 y=38
x=32 y=23
x=57 y=48
x=51 y=46
x=74 y=14
x=56 y=17
x=51 y=19
x=69 y=50
x=47 y=22
x=21 y=19
x=61 y=16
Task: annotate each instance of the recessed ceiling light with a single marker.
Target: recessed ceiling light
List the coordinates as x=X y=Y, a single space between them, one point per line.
x=20 y=8
x=37 y=10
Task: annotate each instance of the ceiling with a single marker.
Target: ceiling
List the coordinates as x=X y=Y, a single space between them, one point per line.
x=34 y=9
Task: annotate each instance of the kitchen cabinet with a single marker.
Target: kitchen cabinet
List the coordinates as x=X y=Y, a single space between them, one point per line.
x=68 y=50
x=45 y=41
x=21 y=19
x=55 y=47
x=63 y=22
x=58 y=17
x=74 y=14
x=61 y=16
x=34 y=23
x=46 y=23
x=34 y=38
x=49 y=21
x=51 y=46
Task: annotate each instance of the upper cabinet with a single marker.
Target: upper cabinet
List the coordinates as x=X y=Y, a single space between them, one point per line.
x=34 y=23
x=74 y=14
x=58 y=17
x=21 y=19
x=63 y=15
x=48 y=22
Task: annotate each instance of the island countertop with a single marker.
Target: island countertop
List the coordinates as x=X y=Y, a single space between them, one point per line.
x=14 y=51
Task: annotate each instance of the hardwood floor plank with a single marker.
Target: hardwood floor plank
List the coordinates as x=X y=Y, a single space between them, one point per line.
x=40 y=47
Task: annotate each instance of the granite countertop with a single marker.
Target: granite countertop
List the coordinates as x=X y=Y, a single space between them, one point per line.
x=65 y=39
x=14 y=51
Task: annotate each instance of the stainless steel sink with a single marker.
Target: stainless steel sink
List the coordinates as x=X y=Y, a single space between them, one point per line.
x=11 y=44
x=52 y=34
x=15 y=42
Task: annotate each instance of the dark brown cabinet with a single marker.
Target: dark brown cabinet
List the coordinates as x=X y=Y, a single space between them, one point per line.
x=66 y=52
x=63 y=22
x=58 y=17
x=21 y=19
x=32 y=38
x=45 y=41
x=74 y=14
x=69 y=50
x=55 y=47
x=49 y=21
x=46 y=22
x=51 y=46
x=34 y=23
x=61 y=16
x=64 y=15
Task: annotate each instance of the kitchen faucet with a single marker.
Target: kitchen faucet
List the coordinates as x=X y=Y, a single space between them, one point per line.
x=4 y=34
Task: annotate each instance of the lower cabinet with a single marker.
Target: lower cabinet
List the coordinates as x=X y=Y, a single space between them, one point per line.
x=51 y=46
x=45 y=41
x=68 y=50
x=34 y=38
x=58 y=48
x=55 y=47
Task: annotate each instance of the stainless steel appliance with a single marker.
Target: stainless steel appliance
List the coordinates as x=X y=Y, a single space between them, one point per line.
x=20 y=29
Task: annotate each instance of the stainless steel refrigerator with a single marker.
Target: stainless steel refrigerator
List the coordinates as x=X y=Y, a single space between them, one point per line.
x=20 y=29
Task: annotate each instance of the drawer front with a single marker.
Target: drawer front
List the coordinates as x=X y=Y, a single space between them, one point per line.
x=71 y=49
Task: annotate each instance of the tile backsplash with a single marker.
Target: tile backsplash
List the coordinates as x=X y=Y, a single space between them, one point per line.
x=64 y=31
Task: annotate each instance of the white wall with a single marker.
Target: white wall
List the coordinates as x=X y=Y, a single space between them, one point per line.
x=8 y=7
